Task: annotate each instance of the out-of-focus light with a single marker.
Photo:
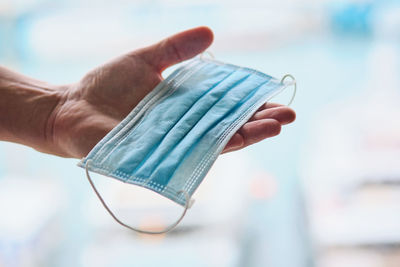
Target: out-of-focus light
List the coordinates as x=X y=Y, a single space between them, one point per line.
x=263 y=186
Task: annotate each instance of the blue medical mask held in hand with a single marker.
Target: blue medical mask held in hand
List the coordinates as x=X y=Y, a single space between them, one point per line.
x=171 y=139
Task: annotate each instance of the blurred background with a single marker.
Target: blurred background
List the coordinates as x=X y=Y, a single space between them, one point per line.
x=323 y=193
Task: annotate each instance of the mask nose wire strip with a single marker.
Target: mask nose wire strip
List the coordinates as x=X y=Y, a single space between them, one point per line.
x=167 y=229
x=293 y=83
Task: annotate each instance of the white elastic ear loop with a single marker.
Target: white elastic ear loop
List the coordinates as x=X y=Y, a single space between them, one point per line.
x=292 y=83
x=208 y=53
x=169 y=228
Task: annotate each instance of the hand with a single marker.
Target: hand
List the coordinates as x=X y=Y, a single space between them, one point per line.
x=265 y=123
x=89 y=109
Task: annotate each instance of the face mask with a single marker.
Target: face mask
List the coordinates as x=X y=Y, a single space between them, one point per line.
x=171 y=139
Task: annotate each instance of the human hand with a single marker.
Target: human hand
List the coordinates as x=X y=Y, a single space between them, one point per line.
x=89 y=109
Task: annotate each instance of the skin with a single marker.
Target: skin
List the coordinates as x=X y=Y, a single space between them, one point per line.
x=68 y=120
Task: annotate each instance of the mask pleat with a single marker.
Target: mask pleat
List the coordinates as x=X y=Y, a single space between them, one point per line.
x=149 y=133
x=198 y=109
x=226 y=103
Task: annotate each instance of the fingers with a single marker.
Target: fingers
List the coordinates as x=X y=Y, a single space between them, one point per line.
x=235 y=143
x=177 y=48
x=265 y=123
x=269 y=105
x=256 y=131
x=282 y=114
x=253 y=132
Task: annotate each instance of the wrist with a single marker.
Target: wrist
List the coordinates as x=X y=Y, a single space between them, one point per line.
x=26 y=106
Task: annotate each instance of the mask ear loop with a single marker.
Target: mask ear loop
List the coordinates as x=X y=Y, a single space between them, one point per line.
x=208 y=53
x=167 y=229
x=292 y=83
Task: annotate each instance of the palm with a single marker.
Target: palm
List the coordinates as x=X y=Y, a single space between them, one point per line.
x=95 y=105
x=119 y=85
x=100 y=101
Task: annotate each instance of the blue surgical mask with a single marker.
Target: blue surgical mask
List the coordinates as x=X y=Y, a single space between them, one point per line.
x=171 y=139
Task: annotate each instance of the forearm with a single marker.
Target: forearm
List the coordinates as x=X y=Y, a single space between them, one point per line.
x=26 y=105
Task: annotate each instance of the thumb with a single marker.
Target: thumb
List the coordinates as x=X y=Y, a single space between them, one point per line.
x=176 y=48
